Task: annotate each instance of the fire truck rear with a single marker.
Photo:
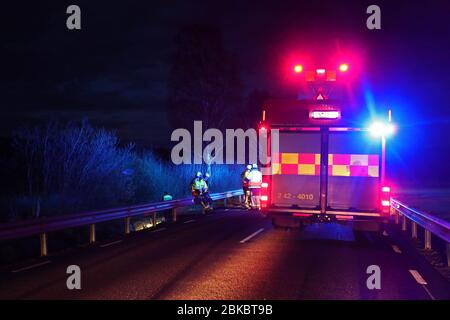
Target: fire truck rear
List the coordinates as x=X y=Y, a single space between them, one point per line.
x=323 y=164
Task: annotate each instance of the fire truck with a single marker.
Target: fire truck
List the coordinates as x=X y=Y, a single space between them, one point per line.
x=324 y=165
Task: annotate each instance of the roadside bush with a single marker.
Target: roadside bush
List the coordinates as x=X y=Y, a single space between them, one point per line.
x=73 y=167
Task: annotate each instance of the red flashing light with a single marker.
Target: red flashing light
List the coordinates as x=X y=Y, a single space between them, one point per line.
x=264 y=198
x=264 y=185
x=386 y=189
x=343 y=67
x=298 y=68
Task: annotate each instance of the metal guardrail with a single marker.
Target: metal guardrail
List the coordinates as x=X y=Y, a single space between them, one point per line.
x=431 y=225
x=43 y=226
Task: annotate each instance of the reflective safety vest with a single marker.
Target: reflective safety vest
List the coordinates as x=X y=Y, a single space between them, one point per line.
x=255 y=178
x=199 y=185
x=245 y=179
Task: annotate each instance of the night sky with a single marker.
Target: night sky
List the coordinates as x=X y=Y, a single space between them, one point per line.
x=114 y=71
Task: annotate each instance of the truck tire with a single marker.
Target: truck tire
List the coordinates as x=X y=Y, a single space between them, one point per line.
x=285 y=223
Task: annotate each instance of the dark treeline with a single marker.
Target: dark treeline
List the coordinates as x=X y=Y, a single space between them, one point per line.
x=58 y=168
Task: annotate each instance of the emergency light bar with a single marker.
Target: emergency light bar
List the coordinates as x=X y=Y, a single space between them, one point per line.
x=325 y=114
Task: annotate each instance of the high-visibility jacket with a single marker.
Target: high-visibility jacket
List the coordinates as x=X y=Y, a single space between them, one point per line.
x=199 y=185
x=244 y=178
x=255 y=178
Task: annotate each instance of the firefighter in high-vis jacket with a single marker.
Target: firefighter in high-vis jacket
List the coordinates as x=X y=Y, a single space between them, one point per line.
x=255 y=180
x=200 y=192
x=245 y=188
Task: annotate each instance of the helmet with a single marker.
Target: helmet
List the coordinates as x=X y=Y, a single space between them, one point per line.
x=249 y=167
x=254 y=166
x=199 y=174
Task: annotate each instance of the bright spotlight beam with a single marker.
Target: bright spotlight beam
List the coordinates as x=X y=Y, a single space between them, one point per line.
x=380 y=129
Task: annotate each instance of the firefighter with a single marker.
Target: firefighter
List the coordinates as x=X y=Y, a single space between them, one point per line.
x=205 y=193
x=255 y=180
x=245 y=188
x=199 y=190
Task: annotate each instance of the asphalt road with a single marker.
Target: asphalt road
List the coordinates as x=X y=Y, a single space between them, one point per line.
x=232 y=254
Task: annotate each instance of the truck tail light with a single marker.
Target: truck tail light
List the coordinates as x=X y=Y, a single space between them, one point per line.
x=385 y=199
x=265 y=192
x=385 y=203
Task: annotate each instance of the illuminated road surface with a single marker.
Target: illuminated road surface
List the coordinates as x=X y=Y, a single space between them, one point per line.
x=232 y=254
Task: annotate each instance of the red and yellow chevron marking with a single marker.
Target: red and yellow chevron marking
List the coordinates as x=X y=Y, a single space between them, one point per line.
x=297 y=163
x=353 y=165
x=339 y=165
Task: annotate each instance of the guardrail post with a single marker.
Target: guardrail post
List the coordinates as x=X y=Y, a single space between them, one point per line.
x=404 y=226
x=448 y=254
x=427 y=239
x=92 y=233
x=225 y=202
x=413 y=230
x=397 y=216
x=154 y=219
x=43 y=237
x=174 y=214
x=127 y=225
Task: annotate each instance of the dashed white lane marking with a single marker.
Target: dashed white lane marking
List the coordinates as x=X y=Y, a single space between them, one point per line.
x=252 y=235
x=110 y=244
x=420 y=280
x=428 y=291
x=417 y=277
x=385 y=233
x=32 y=266
x=396 y=249
x=189 y=221
x=158 y=230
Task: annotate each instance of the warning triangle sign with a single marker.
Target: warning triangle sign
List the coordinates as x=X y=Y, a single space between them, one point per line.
x=320 y=97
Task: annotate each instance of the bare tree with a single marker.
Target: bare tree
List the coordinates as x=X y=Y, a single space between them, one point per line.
x=78 y=163
x=204 y=80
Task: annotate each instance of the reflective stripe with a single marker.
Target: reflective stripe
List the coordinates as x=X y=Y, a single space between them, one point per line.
x=339 y=165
